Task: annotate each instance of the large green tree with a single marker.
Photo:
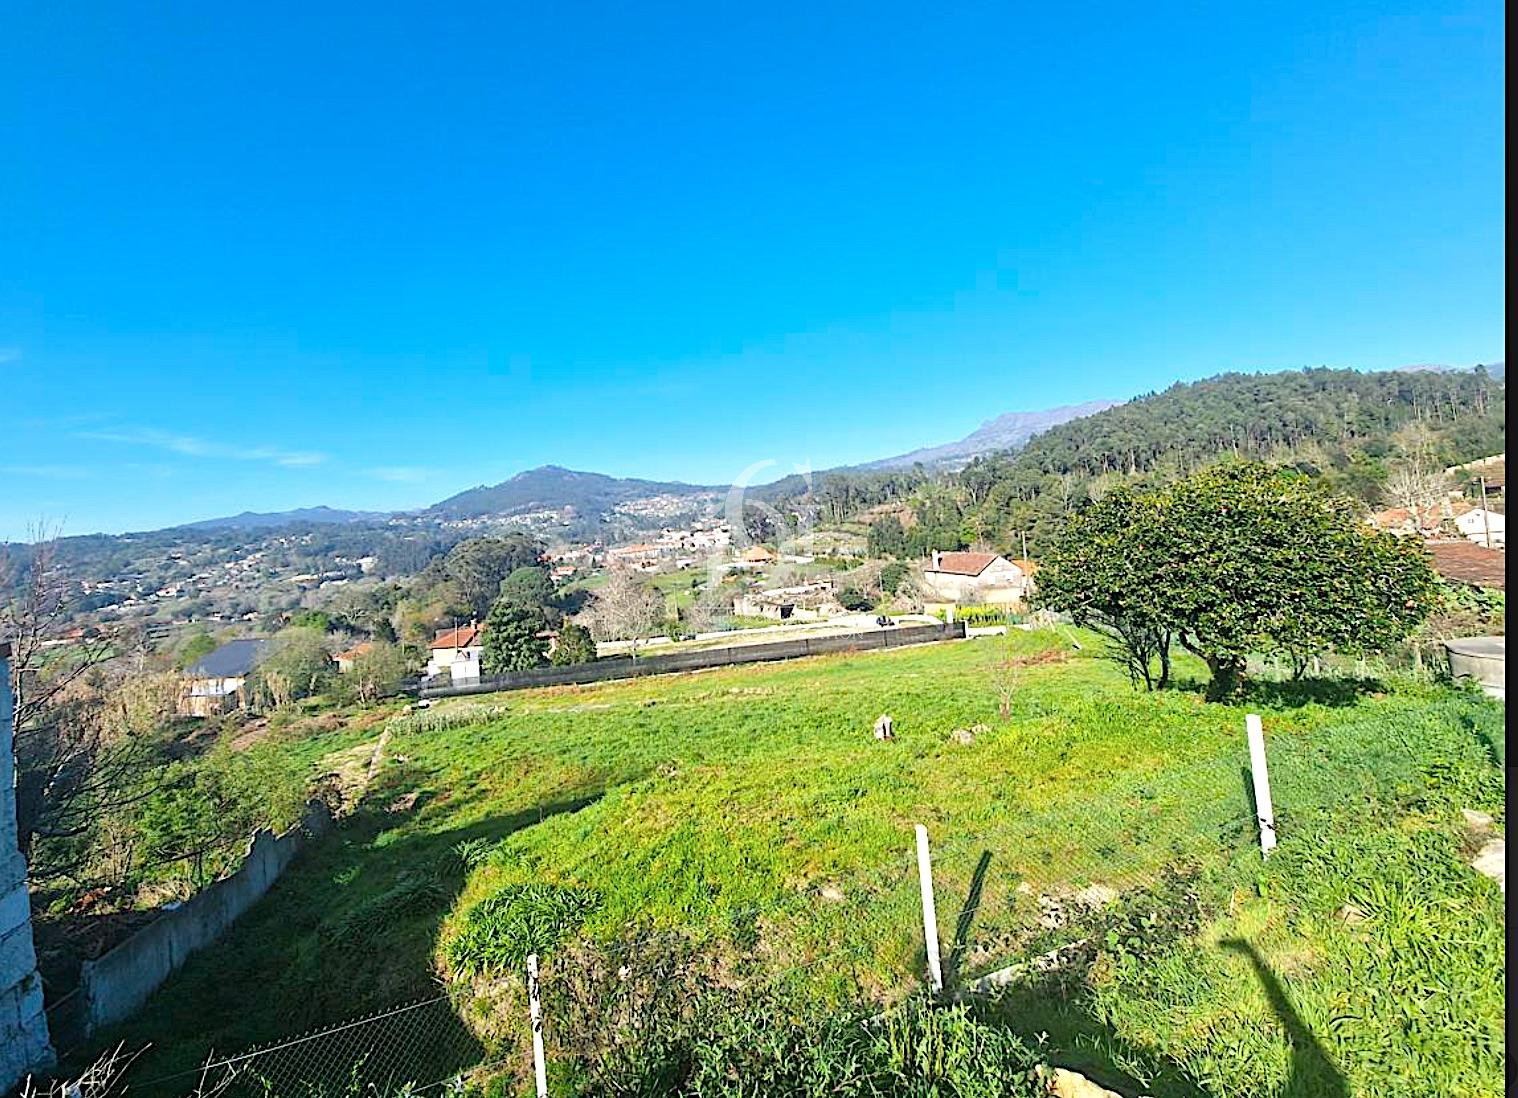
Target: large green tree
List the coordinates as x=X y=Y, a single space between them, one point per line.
x=474 y=569
x=887 y=537
x=532 y=587
x=511 y=640
x=1098 y=574
x=1237 y=558
x=576 y=645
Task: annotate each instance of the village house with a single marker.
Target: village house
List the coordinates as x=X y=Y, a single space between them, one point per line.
x=216 y=683
x=640 y=557
x=1482 y=526
x=752 y=558
x=456 y=652
x=954 y=579
x=709 y=538
x=806 y=602
x=344 y=660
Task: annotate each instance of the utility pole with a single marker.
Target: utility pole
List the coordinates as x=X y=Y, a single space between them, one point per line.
x=1486 y=520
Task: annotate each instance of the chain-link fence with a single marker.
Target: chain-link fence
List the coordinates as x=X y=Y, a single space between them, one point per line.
x=418 y=1048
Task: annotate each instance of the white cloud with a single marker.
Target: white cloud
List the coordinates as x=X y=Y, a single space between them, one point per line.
x=190 y=446
x=9 y=355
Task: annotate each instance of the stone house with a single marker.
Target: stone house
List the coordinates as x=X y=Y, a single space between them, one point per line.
x=954 y=579
x=806 y=602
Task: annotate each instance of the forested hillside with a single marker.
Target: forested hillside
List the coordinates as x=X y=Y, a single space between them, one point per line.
x=1356 y=430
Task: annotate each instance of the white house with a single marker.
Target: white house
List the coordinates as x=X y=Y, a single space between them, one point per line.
x=1476 y=524
x=974 y=578
x=215 y=683
x=457 y=652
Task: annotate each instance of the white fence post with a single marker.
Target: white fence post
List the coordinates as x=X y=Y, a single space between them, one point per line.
x=1263 y=807
x=540 y=1069
x=929 y=913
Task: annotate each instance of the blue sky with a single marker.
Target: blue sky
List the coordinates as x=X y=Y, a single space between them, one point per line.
x=274 y=255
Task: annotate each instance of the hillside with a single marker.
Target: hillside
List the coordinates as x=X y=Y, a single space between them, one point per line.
x=268 y=520
x=1256 y=415
x=1352 y=429
x=553 y=488
x=751 y=809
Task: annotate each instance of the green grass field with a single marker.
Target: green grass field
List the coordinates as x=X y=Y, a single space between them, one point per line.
x=751 y=810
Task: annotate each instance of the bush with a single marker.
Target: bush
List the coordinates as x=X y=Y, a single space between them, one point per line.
x=986 y=615
x=500 y=931
x=891 y=576
x=851 y=598
x=576 y=645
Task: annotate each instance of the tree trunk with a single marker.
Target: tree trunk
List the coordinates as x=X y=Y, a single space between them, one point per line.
x=1227 y=677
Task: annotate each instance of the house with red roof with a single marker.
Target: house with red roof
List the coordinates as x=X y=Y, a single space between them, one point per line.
x=456 y=652
x=976 y=579
x=346 y=659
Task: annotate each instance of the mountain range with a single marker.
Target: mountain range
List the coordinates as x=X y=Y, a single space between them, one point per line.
x=553 y=488
x=261 y=520
x=1010 y=431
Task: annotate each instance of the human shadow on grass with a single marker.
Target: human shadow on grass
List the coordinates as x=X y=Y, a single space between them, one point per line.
x=1069 y=1033
x=349 y=930
x=1313 y=1073
x=966 y=920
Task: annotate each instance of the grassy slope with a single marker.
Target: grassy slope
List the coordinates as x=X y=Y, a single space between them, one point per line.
x=725 y=801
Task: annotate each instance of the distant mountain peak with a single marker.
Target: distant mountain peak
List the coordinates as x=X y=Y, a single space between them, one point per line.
x=1008 y=431
x=552 y=487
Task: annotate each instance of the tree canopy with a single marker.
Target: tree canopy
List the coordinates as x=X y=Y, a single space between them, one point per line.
x=1235 y=558
x=511 y=640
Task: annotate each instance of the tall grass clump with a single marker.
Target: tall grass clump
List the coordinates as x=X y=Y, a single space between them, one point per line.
x=445 y=719
x=498 y=933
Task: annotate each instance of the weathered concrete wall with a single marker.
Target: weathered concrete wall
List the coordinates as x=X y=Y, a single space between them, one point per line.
x=112 y=988
x=1481 y=658
x=623 y=667
x=24 y=1045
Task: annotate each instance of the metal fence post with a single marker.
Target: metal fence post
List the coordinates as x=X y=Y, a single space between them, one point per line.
x=535 y=1006
x=929 y=913
x=1263 y=808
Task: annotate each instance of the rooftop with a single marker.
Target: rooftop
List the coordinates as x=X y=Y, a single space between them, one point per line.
x=962 y=564
x=1470 y=563
x=231 y=660
x=460 y=637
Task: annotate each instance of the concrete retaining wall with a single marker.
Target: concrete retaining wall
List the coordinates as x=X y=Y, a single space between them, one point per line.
x=115 y=986
x=24 y=1044
x=621 y=667
x=1481 y=658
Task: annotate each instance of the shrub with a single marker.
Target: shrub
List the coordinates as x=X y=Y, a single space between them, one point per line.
x=500 y=931
x=851 y=598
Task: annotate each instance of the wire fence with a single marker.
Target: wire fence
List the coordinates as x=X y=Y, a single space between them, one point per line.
x=419 y=1048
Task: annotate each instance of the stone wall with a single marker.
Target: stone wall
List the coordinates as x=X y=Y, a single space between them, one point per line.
x=115 y=986
x=24 y=1045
